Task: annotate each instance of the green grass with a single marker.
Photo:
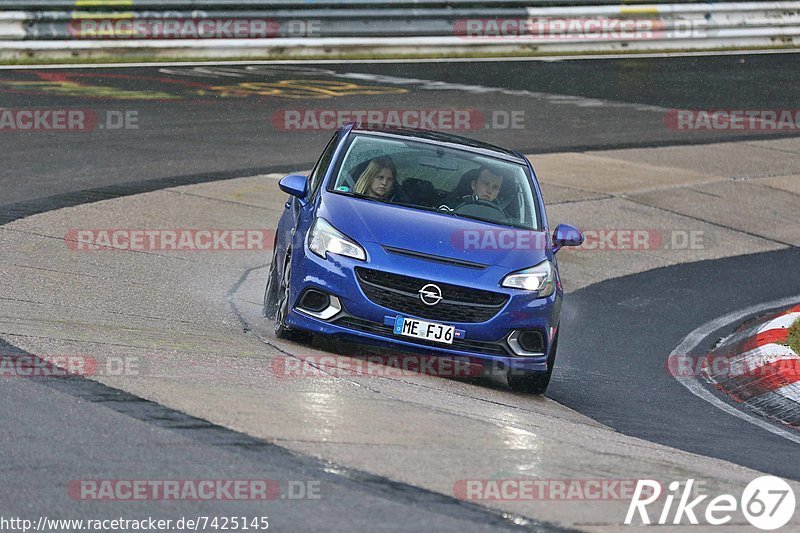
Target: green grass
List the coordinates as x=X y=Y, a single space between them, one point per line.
x=794 y=336
x=135 y=58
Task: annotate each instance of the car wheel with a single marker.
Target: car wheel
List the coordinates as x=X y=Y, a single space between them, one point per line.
x=534 y=382
x=282 y=331
x=271 y=292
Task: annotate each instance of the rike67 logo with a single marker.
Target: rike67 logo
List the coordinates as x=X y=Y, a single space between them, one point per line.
x=767 y=502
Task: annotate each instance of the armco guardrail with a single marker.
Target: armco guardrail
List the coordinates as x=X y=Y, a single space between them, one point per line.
x=227 y=27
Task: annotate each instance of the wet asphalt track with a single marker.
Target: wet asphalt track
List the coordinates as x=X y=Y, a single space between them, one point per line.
x=58 y=431
x=613 y=364
x=193 y=124
x=629 y=325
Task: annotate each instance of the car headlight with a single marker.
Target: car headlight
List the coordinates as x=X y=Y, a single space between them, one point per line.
x=540 y=278
x=324 y=238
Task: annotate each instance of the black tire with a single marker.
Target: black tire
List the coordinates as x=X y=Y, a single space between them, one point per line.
x=282 y=331
x=534 y=382
x=271 y=292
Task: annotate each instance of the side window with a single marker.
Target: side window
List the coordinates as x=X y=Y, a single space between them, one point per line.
x=322 y=165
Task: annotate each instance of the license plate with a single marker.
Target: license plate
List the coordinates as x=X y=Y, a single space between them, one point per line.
x=420 y=329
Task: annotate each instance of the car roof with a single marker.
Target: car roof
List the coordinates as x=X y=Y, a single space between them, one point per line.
x=438 y=137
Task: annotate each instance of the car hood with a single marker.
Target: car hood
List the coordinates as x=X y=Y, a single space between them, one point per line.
x=433 y=233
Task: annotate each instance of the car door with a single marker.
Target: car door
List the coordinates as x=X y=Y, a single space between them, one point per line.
x=298 y=212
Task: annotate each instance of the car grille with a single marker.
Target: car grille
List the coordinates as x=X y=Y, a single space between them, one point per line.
x=478 y=347
x=401 y=293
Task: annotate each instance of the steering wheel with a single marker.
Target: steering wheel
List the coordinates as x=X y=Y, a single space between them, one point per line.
x=474 y=206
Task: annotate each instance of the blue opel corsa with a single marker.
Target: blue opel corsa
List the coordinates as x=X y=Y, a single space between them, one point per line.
x=418 y=240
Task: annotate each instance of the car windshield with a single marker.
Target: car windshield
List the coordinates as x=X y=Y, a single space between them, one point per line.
x=432 y=177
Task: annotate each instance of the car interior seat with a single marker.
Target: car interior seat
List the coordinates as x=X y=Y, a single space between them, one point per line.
x=416 y=191
x=462 y=189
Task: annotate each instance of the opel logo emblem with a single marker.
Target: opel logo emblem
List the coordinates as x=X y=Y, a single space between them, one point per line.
x=430 y=294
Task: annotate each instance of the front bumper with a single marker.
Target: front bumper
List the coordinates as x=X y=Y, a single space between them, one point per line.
x=363 y=321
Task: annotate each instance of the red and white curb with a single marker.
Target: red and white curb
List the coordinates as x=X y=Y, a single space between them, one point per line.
x=760 y=370
x=698 y=385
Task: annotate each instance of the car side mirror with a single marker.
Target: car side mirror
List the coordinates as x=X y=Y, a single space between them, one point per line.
x=294 y=184
x=566 y=235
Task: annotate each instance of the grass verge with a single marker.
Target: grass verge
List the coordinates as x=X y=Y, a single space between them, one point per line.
x=794 y=336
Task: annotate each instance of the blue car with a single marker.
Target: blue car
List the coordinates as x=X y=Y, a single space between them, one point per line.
x=421 y=241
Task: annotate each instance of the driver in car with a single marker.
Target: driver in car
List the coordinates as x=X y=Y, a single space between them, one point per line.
x=483 y=202
x=487 y=185
x=485 y=189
